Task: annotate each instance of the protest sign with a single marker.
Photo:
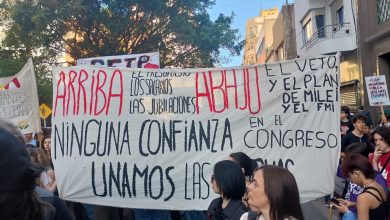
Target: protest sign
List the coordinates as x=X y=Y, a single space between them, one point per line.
x=377 y=90
x=19 y=99
x=144 y=60
x=150 y=138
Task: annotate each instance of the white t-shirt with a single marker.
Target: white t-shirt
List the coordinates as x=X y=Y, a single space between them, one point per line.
x=45 y=178
x=245 y=217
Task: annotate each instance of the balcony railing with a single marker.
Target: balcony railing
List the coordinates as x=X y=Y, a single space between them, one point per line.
x=383 y=10
x=324 y=33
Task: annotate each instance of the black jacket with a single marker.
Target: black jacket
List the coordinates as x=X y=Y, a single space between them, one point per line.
x=60 y=212
x=233 y=210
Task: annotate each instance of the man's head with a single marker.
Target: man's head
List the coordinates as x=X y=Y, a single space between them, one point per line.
x=359 y=122
x=381 y=138
x=344 y=112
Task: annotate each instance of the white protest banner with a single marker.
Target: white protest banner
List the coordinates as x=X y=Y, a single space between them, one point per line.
x=377 y=90
x=150 y=138
x=19 y=99
x=144 y=60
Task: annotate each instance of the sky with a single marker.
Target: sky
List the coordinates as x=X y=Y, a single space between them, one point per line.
x=243 y=10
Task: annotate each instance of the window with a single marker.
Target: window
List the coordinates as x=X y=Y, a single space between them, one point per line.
x=320 y=23
x=383 y=10
x=281 y=53
x=307 y=31
x=340 y=16
x=253 y=31
x=261 y=48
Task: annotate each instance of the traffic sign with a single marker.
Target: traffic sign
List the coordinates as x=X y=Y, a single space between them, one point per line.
x=44 y=111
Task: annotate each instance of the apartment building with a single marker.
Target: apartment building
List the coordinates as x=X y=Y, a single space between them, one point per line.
x=258 y=27
x=283 y=36
x=328 y=27
x=374 y=41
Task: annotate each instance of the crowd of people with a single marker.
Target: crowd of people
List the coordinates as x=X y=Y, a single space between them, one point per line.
x=364 y=164
x=28 y=188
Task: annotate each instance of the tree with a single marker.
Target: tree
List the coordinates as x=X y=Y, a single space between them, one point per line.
x=9 y=66
x=181 y=30
x=20 y=44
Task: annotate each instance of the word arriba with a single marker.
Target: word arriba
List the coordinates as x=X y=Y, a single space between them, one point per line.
x=89 y=91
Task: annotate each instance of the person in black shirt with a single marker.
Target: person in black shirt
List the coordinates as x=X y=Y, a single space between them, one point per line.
x=228 y=181
x=357 y=135
x=346 y=125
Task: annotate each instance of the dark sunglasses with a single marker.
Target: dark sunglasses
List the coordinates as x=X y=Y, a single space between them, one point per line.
x=212 y=178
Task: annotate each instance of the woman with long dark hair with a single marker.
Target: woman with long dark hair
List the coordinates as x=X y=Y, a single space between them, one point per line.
x=229 y=182
x=247 y=165
x=273 y=194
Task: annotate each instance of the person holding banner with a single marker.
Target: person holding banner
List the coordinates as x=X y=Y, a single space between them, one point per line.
x=229 y=182
x=274 y=195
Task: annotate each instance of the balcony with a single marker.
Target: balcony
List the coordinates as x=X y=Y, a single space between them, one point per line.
x=327 y=39
x=383 y=10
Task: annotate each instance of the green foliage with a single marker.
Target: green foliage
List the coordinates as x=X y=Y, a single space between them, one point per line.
x=181 y=30
x=9 y=67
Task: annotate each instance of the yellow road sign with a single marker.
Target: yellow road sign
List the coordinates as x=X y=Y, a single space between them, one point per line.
x=44 y=111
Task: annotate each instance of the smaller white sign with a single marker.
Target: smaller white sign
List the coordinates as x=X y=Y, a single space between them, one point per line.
x=377 y=90
x=144 y=60
x=19 y=99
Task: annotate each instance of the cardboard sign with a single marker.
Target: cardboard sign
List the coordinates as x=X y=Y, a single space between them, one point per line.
x=377 y=90
x=150 y=138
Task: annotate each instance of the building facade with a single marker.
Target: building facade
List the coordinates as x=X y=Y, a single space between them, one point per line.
x=265 y=40
x=283 y=36
x=374 y=43
x=327 y=27
x=255 y=28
